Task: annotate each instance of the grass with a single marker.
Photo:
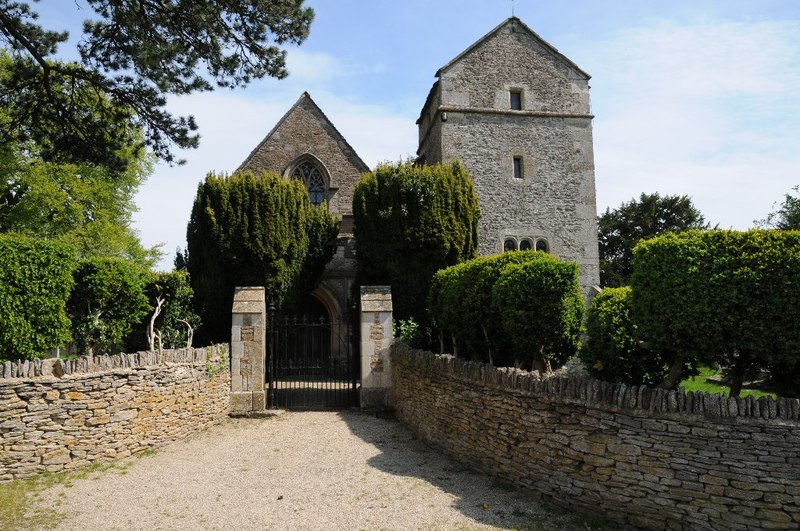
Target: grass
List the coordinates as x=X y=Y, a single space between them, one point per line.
x=701 y=383
x=18 y=497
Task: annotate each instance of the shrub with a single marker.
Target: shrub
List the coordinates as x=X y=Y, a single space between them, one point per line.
x=460 y=303
x=541 y=309
x=721 y=296
x=35 y=282
x=411 y=221
x=107 y=301
x=253 y=230
x=177 y=306
x=613 y=352
x=518 y=308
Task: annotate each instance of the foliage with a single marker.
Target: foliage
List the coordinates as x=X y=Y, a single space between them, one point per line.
x=133 y=54
x=620 y=229
x=517 y=308
x=460 y=303
x=720 y=297
x=173 y=287
x=613 y=352
x=411 y=221
x=253 y=230
x=407 y=330
x=787 y=217
x=35 y=282
x=541 y=309
x=108 y=300
x=86 y=206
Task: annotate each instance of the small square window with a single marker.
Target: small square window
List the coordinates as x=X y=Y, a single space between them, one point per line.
x=516 y=100
x=518 y=167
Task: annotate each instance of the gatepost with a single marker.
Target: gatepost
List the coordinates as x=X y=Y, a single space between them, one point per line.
x=376 y=340
x=247 y=351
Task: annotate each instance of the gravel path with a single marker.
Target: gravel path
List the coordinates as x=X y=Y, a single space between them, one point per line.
x=299 y=470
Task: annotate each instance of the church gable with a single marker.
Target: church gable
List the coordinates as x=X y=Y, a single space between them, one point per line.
x=514 y=59
x=305 y=144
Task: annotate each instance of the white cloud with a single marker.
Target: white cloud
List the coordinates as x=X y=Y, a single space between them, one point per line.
x=710 y=111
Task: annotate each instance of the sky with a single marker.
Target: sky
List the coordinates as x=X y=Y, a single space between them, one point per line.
x=690 y=97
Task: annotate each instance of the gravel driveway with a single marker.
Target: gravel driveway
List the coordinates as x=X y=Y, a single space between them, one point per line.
x=299 y=470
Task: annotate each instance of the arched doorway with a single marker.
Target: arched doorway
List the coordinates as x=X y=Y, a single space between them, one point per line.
x=310 y=359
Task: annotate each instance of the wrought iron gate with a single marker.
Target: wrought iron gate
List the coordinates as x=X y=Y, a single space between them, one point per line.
x=311 y=364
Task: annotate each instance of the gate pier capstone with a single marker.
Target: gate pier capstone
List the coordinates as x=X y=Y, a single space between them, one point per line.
x=376 y=340
x=248 y=338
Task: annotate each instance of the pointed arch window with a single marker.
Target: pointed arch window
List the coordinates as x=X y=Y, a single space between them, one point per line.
x=312 y=177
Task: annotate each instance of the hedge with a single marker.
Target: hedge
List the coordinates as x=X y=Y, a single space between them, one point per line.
x=411 y=221
x=720 y=297
x=613 y=351
x=35 y=282
x=107 y=301
x=254 y=230
x=518 y=308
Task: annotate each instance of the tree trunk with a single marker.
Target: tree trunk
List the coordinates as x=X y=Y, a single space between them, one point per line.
x=488 y=344
x=675 y=372
x=738 y=373
x=541 y=363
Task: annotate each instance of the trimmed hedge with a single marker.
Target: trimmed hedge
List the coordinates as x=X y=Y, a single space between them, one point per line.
x=541 y=309
x=613 y=352
x=518 y=308
x=35 y=282
x=411 y=221
x=108 y=300
x=720 y=296
x=254 y=230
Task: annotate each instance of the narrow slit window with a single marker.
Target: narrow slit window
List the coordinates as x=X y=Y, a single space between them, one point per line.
x=518 y=167
x=516 y=100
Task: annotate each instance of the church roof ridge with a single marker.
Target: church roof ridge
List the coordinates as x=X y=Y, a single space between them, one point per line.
x=513 y=20
x=305 y=96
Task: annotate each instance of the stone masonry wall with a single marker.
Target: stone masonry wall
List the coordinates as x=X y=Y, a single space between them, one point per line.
x=643 y=457
x=61 y=415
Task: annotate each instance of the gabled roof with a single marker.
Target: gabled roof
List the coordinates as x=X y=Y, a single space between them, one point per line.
x=517 y=25
x=306 y=97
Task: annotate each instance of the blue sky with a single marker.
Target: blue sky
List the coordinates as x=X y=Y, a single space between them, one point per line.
x=695 y=97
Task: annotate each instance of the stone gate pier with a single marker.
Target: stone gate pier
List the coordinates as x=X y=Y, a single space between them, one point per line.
x=376 y=340
x=248 y=341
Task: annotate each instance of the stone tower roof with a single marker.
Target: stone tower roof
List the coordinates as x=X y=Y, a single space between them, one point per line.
x=517 y=25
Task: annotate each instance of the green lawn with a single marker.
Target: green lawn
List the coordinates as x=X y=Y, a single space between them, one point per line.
x=699 y=383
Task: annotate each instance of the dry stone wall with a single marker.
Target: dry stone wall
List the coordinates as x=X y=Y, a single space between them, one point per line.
x=57 y=415
x=643 y=457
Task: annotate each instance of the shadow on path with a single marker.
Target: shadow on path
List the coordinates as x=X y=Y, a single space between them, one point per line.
x=484 y=499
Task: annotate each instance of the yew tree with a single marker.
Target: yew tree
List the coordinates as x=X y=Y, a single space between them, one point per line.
x=254 y=230
x=411 y=221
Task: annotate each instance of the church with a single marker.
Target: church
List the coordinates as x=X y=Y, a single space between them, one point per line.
x=514 y=110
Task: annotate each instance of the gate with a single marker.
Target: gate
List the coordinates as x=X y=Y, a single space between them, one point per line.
x=311 y=364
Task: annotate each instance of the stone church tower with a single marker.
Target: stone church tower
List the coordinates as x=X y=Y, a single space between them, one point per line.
x=305 y=145
x=516 y=112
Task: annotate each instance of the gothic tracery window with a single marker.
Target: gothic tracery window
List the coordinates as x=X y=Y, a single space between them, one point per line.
x=312 y=178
